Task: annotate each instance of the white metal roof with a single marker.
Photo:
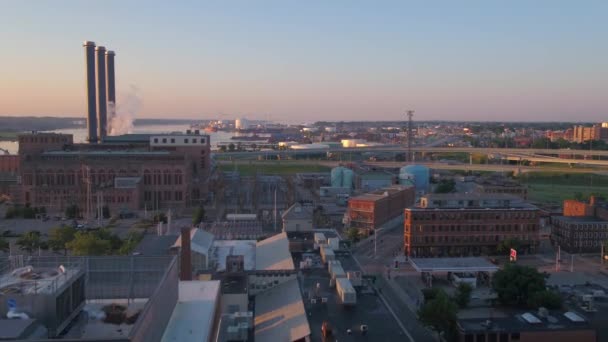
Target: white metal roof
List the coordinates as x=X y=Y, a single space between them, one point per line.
x=273 y=253
x=193 y=315
x=280 y=314
x=224 y=248
x=200 y=241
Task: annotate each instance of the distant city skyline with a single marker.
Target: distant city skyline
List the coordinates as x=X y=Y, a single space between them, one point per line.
x=316 y=60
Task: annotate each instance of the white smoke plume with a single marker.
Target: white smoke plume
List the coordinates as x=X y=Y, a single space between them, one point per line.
x=122 y=116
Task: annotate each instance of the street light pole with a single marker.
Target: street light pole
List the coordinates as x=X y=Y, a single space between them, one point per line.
x=376 y=231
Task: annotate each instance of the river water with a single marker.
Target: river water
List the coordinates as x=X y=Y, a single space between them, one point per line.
x=80 y=135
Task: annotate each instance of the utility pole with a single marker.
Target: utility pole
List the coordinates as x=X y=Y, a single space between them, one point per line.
x=410 y=114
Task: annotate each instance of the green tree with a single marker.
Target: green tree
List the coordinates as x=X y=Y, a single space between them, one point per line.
x=223 y=148
x=113 y=239
x=440 y=315
x=199 y=215
x=29 y=241
x=4 y=245
x=88 y=243
x=463 y=294
x=28 y=212
x=60 y=236
x=445 y=186
x=430 y=293
x=231 y=147
x=353 y=234
x=130 y=242
x=516 y=284
x=546 y=298
x=160 y=217
x=72 y=211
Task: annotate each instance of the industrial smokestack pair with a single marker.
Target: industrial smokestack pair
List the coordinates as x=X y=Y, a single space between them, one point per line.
x=100 y=94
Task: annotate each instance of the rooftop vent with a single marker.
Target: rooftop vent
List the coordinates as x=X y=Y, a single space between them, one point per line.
x=574 y=317
x=530 y=318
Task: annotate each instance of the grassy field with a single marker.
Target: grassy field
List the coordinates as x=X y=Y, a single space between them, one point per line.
x=555 y=194
x=8 y=136
x=273 y=169
x=553 y=187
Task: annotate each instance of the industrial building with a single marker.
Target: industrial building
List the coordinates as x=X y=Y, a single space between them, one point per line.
x=528 y=327
x=372 y=210
x=298 y=218
x=469 y=224
x=583 y=228
x=149 y=171
x=124 y=172
x=500 y=185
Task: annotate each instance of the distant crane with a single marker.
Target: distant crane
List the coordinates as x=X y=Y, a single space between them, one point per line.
x=410 y=114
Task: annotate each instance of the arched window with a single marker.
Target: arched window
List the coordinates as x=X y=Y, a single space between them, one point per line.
x=178 y=177
x=157 y=180
x=167 y=177
x=111 y=175
x=147 y=177
x=50 y=177
x=60 y=177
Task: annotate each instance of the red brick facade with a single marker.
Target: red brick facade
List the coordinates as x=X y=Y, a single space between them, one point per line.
x=370 y=211
x=55 y=173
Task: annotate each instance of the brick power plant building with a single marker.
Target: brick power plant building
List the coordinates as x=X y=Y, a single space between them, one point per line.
x=131 y=171
x=469 y=224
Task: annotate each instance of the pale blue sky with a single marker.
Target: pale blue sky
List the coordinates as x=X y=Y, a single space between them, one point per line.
x=311 y=60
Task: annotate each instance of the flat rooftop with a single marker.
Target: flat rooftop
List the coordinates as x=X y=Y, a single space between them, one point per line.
x=526 y=321
x=582 y=219
x=106 y=153
x=35 y=280
x=466 y=264
x=223 y=248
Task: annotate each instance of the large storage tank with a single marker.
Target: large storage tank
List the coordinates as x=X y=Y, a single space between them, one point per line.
x=420 y=174
x=348 y=178
x=336 y=176
x=342 y=177
x=406 y=179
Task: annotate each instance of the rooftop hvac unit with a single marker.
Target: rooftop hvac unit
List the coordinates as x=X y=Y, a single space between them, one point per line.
x=323 y=299
x=52 y=295
x=313 y=301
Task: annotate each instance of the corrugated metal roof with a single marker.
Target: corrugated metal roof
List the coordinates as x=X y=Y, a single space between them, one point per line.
x=273 y=253
x=280 y=314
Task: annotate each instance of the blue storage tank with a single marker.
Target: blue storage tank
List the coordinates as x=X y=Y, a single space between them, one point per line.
x=337 y=173
x=342 y=177
x=421 y=175
x=348 y=177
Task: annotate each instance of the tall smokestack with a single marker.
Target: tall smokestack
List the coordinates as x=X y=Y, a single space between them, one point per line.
x=185 y=256
x=111 y=89
x=89 y=60
x=102 y=103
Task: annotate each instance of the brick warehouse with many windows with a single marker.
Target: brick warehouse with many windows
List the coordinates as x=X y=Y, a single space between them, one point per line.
x=130 y=172
x=469 y=224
